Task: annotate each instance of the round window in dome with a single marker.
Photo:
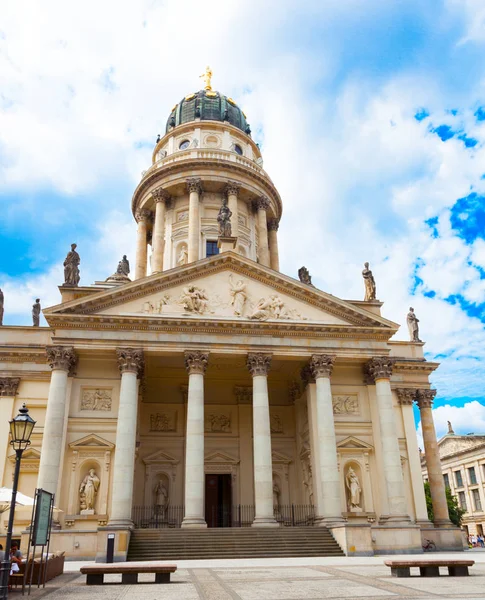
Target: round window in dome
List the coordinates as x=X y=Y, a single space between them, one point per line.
x=184 y=145
x=238 y=149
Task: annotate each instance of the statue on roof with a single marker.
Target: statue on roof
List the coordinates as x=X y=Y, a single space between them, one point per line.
x=36 y=313
x=304 y=275
x=123 y=266
x=369 y=283
x=224 y=220
x=413 y=326
x=207 y=76
x=71 y=268
x=450 y=428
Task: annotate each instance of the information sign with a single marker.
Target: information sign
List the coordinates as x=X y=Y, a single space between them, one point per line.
x=42 y=518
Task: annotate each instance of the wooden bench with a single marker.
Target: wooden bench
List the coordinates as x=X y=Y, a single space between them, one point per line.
x=429 y=568
x=129 y=571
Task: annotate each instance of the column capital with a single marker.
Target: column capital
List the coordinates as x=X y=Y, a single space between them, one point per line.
x=9 y=386
x=273 y=225
x=161 y=195
x=321 y=365
x=143 y=214
x=232 y=187
x=261 y=203
x=61 y=358
x=378 y=367
x=196 y=361
x=406 y=396
x=258 y=363
x=424 y=398
x=131 y=360
x=244 y=395
x=194 y=185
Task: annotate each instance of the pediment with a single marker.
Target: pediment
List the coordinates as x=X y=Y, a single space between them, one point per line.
x=30 y=454
x=278 y=458
x=160 y=457
x=220 y=457
x=454 y=444
x=228 y=288
x=353 y=443
x=91 y=441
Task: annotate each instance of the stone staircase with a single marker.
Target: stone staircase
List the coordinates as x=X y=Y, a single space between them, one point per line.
x=250 y=542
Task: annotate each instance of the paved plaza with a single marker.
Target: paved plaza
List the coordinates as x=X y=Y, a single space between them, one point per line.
x=274 y=579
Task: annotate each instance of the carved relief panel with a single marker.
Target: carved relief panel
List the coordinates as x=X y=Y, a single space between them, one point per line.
x=346 y=404
x=96 y=399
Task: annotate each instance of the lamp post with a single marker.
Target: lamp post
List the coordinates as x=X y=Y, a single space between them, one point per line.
x=20 y=431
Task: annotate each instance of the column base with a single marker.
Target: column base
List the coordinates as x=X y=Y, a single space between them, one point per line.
x=265 y=522
x=193 y=523
x=329 y=521
x=394 y=520
x=442 y=523
x=120 y=524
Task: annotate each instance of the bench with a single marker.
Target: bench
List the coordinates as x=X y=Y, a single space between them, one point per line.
x=429 y=568
x=129 y=571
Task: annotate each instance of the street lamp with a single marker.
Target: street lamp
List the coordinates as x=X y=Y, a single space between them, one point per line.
x=20 y=431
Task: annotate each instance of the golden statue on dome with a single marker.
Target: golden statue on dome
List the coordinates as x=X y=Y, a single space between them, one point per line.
x=207 y=76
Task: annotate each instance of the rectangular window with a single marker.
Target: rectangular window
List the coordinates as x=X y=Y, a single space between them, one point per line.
x=472 y=475
x=462 y=500
x=476 y=500
x=446 y=480
x=211 y=248
x=458 y=479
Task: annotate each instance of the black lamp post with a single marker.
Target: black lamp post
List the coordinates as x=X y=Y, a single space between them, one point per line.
x=20 y=431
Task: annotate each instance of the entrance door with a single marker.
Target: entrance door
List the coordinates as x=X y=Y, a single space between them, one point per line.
x=218 y=500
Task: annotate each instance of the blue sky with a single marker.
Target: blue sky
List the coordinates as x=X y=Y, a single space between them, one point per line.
x=371 y=119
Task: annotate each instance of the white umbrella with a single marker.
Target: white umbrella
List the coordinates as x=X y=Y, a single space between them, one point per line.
x=6 y=499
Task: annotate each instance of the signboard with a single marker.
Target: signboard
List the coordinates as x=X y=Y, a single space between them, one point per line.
x=42 y=518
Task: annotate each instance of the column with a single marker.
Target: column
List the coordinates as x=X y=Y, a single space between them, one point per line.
x=8 y=390
x=196 y=365
x=321 y=366
x=379 y=370
x=273 y=225
x=143 y=216
x=424 y=400
x=161 y=197
x=232 y=192
x=131 y=364
x=406 y=397
x=62 y=360
x=259 y=365
x=262 y=205
x=194 y=187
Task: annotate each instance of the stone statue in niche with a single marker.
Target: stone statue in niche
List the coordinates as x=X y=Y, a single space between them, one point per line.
x=36 y=313
x=161 y=498
x=369 y=283
x=224 y=220
x=183 y=257
x=161 y=422
x=304 y=276
x=276 y=495
x=193 y=299
x=308 y=478
x=238 y=295
x=353 y=486
x=71 y=268
x=96 y=400
x=276 y=424
x=220 y=423
x=88 y=492
x=345 y=405
x=413 y=327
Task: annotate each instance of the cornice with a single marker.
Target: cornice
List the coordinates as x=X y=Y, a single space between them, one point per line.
x=18 y=355
x=402 y=365
x=193 y=166
x=161 y=282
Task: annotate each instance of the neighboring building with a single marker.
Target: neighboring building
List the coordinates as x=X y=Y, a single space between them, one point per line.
x=463 y=466
x=218 y=382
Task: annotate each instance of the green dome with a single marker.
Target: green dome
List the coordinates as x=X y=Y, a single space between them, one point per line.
x=208 y=105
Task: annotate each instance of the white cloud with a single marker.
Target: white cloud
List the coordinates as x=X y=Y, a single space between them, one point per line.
x=469 y=418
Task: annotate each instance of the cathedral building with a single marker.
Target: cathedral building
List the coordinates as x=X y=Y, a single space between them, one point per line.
x=208 y=389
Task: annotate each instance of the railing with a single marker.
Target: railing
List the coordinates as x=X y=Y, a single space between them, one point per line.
x=240 y=515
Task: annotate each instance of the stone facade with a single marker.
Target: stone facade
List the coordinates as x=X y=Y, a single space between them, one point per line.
x=215 y=366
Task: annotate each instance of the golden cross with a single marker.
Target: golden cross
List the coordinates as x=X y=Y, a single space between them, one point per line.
x=207 y=78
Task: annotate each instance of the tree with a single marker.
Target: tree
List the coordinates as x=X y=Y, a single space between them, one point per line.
x=455 y=511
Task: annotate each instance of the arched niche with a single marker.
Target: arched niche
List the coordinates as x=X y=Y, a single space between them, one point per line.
x=88 y=468
x=355 y=453
x=354 y=487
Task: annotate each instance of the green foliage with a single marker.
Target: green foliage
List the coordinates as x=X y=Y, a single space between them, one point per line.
x=455 y=511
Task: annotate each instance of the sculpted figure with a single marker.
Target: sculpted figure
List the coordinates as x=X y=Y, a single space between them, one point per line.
x=71 y=267
x=238 y=295
x=123 y=266
x=450 y=427
x=224 y=220
x=161 y=497
x=262 y=310
x=304 y=276
x=276 y=495
x=194 y=299
x=36 y=313
x=183 y=257
x=1 y=307
x=413 y=326
x=369 y=282
x=353 y=485
x=89 y=488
